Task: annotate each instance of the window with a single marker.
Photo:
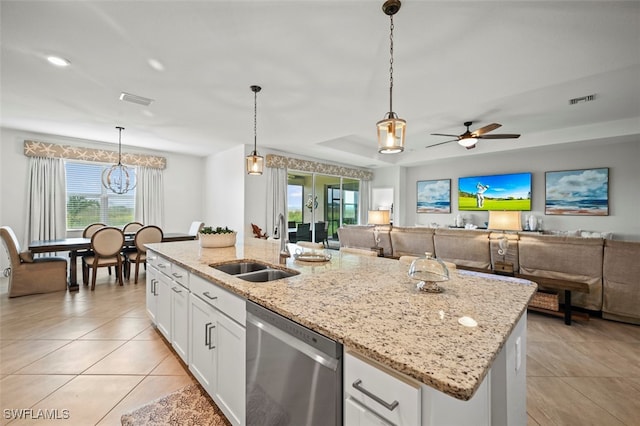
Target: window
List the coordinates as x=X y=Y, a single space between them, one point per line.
x=89 y=202
x=294 y=201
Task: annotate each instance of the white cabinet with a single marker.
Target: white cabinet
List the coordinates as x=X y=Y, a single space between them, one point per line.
x=374 y=395
x=163 y=297
x=152 y=301
x=230 y=387
x=217 y=352
x=180 y=320
x=202 y=322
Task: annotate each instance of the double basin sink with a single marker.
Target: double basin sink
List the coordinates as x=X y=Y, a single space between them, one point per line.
x=253 y=271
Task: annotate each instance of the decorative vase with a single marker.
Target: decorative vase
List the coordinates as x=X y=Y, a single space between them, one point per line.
x=217 y=240
x=533 y=222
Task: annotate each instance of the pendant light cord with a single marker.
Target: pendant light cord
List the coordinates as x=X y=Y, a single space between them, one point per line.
x=255 y=122
x=391 y=68
x=120 y=129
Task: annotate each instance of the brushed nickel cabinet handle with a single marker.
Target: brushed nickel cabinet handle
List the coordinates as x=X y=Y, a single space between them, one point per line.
x=390 y=407
x=209 y=296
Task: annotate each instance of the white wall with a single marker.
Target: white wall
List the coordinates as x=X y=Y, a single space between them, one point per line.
x=182 y=179
x=620 y=158
x=224 y=180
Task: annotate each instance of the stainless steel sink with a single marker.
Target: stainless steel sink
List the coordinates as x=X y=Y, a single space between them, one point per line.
x=266 y=275
x=256 y=272
x=239 y=267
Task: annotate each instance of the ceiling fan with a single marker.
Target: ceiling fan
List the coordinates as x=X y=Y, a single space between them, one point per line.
x=469 y=139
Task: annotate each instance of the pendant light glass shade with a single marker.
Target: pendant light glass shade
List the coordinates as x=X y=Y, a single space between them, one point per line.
x=255 y=162
x=119 y=178
x=391 y=135
x=391 y=130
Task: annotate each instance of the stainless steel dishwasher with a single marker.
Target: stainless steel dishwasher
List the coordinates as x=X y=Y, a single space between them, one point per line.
x=294 y=375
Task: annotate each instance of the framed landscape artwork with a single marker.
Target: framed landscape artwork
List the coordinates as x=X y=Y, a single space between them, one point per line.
x=434 y=196
x=495 y=192
x=582 y=192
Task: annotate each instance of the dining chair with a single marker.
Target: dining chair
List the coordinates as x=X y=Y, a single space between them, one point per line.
x=32 y=276
x=145 y=235
x=195 y=228
x=320 y=229
x=106 y=245
x=132 y=227
x=88 y=233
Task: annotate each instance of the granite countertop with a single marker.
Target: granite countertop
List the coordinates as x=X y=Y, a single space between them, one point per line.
x=371 y=306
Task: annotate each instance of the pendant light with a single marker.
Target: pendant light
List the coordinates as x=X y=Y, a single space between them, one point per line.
x=255 y=163
x=119 y=178
x=391 y=129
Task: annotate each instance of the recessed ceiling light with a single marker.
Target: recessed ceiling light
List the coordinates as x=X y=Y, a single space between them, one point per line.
x=156 y=64
x=58 y=61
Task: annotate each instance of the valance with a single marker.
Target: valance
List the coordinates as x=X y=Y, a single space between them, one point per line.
x=280 y=162
x=50 y=150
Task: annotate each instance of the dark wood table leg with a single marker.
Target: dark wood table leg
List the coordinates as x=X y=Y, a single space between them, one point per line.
x=73 y=271
x=567 y=307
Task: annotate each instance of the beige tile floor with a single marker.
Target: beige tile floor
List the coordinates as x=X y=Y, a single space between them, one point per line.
x=96 y=355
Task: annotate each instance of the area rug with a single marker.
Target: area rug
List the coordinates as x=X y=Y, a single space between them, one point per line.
x=189 y=406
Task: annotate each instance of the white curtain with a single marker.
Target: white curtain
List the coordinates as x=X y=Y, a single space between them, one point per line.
x=365 y=191
x=46 y=200
x=150 y=196
x=276 y=200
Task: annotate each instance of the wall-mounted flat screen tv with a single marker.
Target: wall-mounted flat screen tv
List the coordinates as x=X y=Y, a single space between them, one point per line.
x=495 y=192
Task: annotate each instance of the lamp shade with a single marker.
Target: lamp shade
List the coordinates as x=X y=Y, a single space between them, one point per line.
x=378 y=217
x=505 y=220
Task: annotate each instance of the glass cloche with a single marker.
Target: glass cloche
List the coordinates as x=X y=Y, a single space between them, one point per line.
x=429 y=271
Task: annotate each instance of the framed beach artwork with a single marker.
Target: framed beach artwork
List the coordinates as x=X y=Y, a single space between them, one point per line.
x=582 y=192
x=434 y=196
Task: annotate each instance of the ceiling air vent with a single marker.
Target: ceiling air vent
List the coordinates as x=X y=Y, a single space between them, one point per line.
x=582 y=99
x=140 y=100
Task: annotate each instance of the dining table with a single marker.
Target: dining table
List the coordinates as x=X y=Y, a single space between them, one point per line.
x=77 y=244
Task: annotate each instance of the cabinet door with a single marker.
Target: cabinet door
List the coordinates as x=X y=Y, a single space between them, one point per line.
x=180 y=320
x=230 y=386
x=163 y=313
x=152 y=301
x=359 y=415
x=202 y=353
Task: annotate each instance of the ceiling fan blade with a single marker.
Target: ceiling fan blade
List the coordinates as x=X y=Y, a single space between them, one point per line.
x=441 y=143
x=443 y=134
x=486 y=129
x=500 y=136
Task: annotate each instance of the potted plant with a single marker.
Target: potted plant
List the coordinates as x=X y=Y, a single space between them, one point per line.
x=217 y=237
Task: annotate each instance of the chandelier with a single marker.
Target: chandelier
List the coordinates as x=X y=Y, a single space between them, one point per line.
x=255 y=163
x=391 y=129
x=119 y=178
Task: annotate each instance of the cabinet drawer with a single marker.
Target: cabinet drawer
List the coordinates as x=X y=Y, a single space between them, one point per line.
x=389 y=395
x=180 y=275
x=223 y=300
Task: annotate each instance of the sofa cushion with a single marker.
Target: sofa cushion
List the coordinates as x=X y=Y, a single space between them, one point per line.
x=463 y=247
x=567 y=258
x=411 y=241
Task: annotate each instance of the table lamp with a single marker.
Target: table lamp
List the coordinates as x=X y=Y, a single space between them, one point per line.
x=378 y=217
x=504 y=221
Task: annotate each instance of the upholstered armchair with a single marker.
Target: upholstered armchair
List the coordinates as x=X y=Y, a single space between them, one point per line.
x=29 y=275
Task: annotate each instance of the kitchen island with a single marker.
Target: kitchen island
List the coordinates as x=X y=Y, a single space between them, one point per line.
x=372 y=307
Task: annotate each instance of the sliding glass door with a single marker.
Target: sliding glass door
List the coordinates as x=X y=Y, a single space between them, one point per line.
x=318 y=204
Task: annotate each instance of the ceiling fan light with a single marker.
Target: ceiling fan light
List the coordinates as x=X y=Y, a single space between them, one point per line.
x=467 y=142
x=391 y=135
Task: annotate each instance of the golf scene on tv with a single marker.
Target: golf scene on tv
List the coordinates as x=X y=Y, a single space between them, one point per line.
x=495 y=192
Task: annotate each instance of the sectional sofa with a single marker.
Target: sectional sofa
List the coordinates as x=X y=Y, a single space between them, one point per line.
x=610 y=268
